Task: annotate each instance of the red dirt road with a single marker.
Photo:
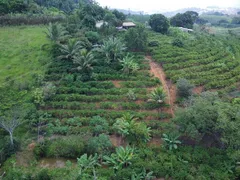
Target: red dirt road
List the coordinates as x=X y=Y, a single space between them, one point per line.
x=168 y=87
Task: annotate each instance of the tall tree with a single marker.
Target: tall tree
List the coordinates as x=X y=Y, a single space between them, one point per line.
x=11 y=120
x=159 y=23
x=136 y=38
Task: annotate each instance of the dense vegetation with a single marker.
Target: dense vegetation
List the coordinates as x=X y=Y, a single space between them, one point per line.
x=86 y=99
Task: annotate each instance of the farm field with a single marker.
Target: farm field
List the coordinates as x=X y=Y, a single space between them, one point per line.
x=21 y=57
x=205 y=60
x=107 y=96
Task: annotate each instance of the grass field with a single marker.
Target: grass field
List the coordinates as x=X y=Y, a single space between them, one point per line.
x=20 y=53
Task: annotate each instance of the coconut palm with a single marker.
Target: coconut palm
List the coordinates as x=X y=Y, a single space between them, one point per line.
x=112 y=49
x=56 y=32
x=84 y=61
x=69 y=50
x=157 y=96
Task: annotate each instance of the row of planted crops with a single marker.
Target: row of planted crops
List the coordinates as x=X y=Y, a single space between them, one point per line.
x=205 y=60
x=109 y=94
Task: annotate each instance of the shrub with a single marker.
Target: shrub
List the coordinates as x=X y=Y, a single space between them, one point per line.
x=177 y=42
x=99 y=144
x=99 y=125
x=184 y=88
x=49 y=90
x=92 y=36
x=69 y=147
x=153 y=44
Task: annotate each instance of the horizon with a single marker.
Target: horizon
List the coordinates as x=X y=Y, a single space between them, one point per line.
x=150 y=5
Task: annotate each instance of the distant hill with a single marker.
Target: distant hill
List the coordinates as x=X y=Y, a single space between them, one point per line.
x=207 y=10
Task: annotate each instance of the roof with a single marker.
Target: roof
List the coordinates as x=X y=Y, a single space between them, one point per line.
x=185 y=29
x=128 y=24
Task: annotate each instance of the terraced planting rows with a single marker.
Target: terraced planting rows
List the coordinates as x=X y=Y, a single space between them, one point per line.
x=79 y=101
x=205 y=60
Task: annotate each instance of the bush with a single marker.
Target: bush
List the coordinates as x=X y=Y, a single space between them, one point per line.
x=184 y=88
x=69 y=147
x=177 y=42
x=49 y=90
x=99 y=125
x=100 y=144
x=93 y=37
x=153 y=44
x=43 y=175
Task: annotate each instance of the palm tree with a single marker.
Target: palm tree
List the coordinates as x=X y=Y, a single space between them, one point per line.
x=171 y=141
x=157 y=96
x=69 y=50
x=128 y=64
x=84 y=61
x=56 y=32
x=112 y=49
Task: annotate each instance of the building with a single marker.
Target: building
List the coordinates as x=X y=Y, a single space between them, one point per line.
x=128 y=25
x=185 y=29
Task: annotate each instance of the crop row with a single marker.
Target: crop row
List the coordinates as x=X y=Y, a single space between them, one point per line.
x=104 y=113
x=95 y=98
x=96 y=91
x=75 y=105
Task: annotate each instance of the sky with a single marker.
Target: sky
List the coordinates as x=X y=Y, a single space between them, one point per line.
x=166 y=5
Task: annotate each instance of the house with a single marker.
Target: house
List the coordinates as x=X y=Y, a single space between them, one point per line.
x=185 y=29
x=128 y=25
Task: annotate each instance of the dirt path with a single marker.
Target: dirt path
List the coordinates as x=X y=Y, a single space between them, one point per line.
x=168 y=87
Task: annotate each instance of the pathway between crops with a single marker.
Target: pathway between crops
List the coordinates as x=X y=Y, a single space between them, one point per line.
x=168 y=87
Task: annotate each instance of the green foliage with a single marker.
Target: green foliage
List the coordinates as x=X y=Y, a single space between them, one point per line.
x=38 y=96
x=84 y=63
x=55 y=32
x=184 y=20
x=69 y=147
x=70 y=50
x=49 y=90
x=131 y=95
x=177 y=42
x=171 y=141
x=184 y=88
x=87 y=162
x=99 y=125
x=112 y=49
x=128 y=64
x=157 y=95
x=159 y=23
x=14 y=6
x=100 y=144
x=93 y=36
x=121 y=159
x=135 y=132
x=136 y=38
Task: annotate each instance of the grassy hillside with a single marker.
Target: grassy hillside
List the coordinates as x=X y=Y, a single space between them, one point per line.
x=205 y=60
x=20 y=54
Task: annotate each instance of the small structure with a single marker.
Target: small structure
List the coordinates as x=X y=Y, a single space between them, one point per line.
x=128 y=25
x=185 y=29
x=99 y=24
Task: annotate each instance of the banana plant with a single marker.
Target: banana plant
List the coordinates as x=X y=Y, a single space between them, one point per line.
x=84 y=163
x=171 y=141
x=122 y=158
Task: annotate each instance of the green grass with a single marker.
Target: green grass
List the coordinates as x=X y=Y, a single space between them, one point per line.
x=21 y=55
